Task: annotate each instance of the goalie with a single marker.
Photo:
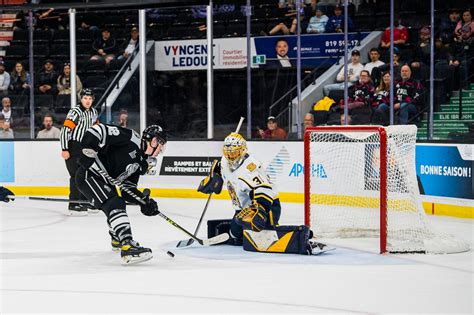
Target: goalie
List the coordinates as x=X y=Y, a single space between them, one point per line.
x=256 y=204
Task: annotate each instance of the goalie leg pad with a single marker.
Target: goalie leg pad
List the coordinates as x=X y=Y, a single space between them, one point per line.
x=283 y=239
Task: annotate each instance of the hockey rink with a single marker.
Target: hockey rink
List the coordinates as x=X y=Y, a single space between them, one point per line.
x=54 y=263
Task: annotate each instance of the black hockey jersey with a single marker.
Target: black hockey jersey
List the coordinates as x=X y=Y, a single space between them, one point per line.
x=118 y=149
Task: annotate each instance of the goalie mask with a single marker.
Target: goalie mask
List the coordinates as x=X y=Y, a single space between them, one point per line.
x=150 y=132
x=235 y=149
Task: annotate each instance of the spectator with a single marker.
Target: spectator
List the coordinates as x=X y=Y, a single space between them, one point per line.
x=421 y=58
x=382 y=101
x=360 y=99
x=281 y=27
x=353 y=71
x=281 y=51
x=286 y=4
x=377 y=72
x=343 y=120
x=273 y=131
x=464 y=31
x=5 y=131
x=86 y=22
x=64 y=82
x=308 y=120
x=47 y=79
x=123 y=118
x=130 y=45
x=374 y=60
x=4 y=79
x=400 y=35
x=408 y=93
x=448 y=25
x=105 y=48
x=317 y=24
x=335 y=23
x=6 y=109
x=49 y=131
x=20 y=80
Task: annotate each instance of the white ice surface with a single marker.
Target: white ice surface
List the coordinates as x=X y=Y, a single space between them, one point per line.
x=53 y=263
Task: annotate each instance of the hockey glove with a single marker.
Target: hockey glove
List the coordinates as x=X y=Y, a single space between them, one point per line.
x=214 y=182
x=150 y=208
x=252 y=218
x=4 y=193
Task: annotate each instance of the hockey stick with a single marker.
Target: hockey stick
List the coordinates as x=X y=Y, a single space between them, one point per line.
x=214 y=240
x=184 y=243
x=47 y=199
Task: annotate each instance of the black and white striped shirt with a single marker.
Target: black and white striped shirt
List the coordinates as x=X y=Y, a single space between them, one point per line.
x=78 y=120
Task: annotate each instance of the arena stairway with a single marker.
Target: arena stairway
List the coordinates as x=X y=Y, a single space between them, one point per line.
x=447 y=121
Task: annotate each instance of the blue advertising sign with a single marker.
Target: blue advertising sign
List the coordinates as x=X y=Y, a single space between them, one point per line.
x=315 y=49
x=7 y=162
x=445 y=170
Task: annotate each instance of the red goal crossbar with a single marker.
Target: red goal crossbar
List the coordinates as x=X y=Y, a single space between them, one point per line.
x=383 y=172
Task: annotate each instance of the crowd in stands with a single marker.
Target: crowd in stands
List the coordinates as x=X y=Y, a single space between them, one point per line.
x=105 y=41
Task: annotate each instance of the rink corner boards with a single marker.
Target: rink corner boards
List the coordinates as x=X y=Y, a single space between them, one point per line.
x=431 y=208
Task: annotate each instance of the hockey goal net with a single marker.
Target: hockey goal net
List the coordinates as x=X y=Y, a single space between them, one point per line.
x=360 y=181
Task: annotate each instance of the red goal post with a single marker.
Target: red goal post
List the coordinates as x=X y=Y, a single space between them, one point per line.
x=383 y=172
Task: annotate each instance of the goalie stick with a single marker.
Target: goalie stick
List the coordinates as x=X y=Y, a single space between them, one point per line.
x=101 y=169
x=185 y=243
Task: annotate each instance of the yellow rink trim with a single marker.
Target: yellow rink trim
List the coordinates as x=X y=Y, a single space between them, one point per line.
x=430 y=208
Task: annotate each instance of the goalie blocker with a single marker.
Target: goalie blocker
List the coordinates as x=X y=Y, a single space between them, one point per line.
x=281 y=239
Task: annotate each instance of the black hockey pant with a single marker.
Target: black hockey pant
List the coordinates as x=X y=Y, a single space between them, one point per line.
x=104 y=196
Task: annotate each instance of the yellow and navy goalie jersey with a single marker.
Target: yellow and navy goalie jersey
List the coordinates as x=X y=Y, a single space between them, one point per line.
x=247 y=183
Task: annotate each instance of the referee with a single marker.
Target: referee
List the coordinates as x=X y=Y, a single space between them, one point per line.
x=78 y=120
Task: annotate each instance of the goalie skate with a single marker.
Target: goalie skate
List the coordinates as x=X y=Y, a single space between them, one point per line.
x=316 y=248
x=133 y=253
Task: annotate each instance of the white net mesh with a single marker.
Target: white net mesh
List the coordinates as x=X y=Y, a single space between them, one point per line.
x=345 y=195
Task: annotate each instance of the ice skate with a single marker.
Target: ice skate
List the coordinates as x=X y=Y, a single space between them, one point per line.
x=133 y=253
x=315 y=248
x=116 y=245
x=77 y=210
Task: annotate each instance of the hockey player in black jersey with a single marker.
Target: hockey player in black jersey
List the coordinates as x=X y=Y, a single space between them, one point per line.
x=123 y=154
x=6 y=194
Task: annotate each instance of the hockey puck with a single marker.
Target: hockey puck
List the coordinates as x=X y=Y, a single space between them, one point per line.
x=170 y=254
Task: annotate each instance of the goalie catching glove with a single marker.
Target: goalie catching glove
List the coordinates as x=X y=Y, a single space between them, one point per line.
x=4 y=193
x=213 y=182
x=252 y=218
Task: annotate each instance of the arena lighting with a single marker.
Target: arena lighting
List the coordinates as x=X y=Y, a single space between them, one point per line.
x=109 y=4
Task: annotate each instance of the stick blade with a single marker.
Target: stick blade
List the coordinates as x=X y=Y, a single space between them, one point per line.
x=221 y=238
x=185 y=243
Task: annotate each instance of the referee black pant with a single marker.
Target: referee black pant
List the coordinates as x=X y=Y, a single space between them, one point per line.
x=72 y=166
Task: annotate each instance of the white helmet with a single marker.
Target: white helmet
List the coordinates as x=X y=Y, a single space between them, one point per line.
x=234 y=150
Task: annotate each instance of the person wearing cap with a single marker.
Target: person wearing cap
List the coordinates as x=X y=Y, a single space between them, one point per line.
x=46 y=82
x=105 y=47
x=335 y=23
x=400 y=34
x=273 y=131
x=353 y=71
x=317 y=24
x=4 y=79
x=130 y=45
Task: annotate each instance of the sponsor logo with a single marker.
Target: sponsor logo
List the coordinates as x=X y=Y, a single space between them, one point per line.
x=317 y=170
x=187 y=165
